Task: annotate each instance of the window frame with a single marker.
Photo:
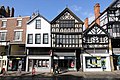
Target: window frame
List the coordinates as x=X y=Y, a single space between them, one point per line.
x=19 y=24
x=20 y=32
x=2 y=36
x=4 y=25
x=67 y=23
x=45 y=38
x=38 y=25
x=28 y=38
x=37 y=38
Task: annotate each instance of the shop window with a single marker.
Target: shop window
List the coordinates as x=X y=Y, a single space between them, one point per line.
x=40 y=63
x=95 y=62
x=0 y=63
x=43 y=63
x=4 y=62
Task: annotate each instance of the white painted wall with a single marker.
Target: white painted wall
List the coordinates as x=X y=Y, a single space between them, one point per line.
x=108 y=67
x=45 y=28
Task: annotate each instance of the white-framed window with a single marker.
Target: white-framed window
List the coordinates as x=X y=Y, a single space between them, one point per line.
x=3 y=36
x=18 y=36
x=19 y=23
x=4 y=23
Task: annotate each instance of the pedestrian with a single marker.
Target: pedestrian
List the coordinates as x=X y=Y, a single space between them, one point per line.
x=19 y=68
x=56 y=69
x=3 y=72
x=33 y=71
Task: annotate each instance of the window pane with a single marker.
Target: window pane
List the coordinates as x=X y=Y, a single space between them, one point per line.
x=67 y=23
x=38 y=24
x=30 y=38
x=38 y=38
x=19 y=23
x=4 y=24
x=3 y=36
x=45 y=38
x=18 y=35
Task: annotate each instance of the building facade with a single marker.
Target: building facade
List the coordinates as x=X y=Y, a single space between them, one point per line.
x=12 y=42
x=96 y=55
x=66 y=40
x=38 y=44
x=110 y=21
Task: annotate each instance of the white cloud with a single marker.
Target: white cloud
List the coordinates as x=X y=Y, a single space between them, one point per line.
x=76 y=8
x=90 y=16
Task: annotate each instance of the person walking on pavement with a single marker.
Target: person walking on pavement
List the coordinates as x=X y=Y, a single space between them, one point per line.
x=56 y=69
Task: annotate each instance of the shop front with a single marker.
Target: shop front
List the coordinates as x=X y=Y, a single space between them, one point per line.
x=65 y=63
x=116 y=61
x=39 y=63
x=96 y=62
x=15 y=61
x=65 y=60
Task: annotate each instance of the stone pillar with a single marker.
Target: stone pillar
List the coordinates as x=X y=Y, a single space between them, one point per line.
x=27 y=60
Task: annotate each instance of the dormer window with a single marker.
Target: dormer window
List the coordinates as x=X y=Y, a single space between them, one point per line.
x=19 y=23
x=67 y=23
x=4 y=23
x=38 y=24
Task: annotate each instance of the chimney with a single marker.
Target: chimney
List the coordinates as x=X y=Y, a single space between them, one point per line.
x=86 y=23
x=97 y=12
x=7 y=11
x=12 y=12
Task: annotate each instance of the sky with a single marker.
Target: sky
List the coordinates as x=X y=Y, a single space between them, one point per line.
x=51 y=8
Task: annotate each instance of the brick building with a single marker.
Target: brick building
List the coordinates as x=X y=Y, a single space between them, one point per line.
x=12 y=42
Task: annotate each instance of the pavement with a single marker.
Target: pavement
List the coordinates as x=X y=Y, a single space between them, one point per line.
x=104 y=74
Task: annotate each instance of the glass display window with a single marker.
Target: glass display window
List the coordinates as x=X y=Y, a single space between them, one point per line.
x=94 y=62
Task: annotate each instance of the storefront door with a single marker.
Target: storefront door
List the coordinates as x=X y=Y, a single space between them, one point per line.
x=66 y=63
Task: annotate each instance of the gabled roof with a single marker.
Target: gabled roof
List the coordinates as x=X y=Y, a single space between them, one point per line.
x=66 y=10
x=95 y=25
x=112 y=4
x=38 y=15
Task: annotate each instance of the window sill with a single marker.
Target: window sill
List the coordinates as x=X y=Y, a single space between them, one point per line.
x=17 y=40
x=3 y=27
x=18 y=26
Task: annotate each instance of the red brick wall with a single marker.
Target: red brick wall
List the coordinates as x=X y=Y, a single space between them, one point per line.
x=12 y=25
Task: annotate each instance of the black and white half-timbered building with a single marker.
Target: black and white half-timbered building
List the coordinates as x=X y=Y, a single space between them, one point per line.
x=66 y=32
x=96 y=49
x=110 y=21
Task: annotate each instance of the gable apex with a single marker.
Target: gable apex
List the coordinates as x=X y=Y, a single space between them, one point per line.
x=64 y=11
x=95 y=30
x=38 y=15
